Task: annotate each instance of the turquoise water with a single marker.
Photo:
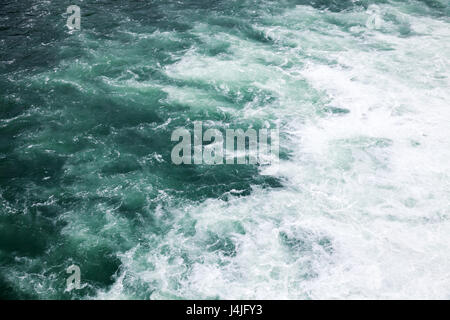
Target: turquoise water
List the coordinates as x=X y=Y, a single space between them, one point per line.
x=359 y=208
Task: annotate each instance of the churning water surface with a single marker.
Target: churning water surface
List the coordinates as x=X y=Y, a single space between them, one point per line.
x=359 y=208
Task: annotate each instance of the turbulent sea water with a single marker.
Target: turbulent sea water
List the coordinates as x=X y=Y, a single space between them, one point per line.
x=360 y=207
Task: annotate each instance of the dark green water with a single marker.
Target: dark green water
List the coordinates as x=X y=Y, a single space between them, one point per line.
x=86 y=176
